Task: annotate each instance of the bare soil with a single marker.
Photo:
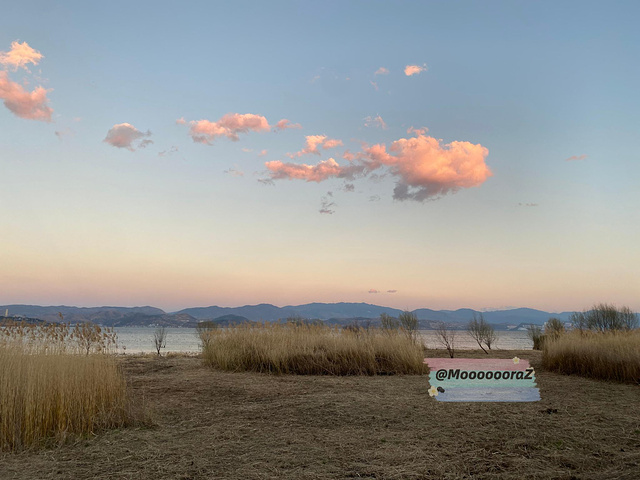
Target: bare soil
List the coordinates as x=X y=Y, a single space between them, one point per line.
x=212 y=424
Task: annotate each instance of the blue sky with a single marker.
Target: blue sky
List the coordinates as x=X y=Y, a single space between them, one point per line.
x=175 y=224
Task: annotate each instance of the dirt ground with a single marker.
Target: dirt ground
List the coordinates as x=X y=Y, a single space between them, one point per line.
x=211 y=424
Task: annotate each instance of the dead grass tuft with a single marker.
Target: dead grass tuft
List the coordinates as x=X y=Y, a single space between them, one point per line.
x=312 y=350
x=611 y=355
x=52 y=387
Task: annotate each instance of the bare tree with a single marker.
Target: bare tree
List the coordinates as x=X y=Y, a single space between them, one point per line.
x=477 y=330
x=446 y=337
x=160 y=338
x=605 y=317
x=409 y=323
x=388 y=323
x=490 y=335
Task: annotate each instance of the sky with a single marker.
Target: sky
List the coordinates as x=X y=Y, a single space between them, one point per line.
x=409 y=154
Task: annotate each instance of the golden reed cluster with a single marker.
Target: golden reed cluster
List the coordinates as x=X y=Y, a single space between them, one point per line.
x=57 y=382
x=289 y=348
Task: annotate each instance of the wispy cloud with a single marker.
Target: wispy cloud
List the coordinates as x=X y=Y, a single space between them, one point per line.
x=285 y=124
x=373 y=290
x=376 y=121
x=64 y=133
x=125 y=135
x=20 y=55
x=29 y=105
x=326 y=204
x=234 y=173
x=374 y=84
x=171 y=150
x=382 y=71
x=417 y=131
x=410 y=70
x=313 y=143
x=349 y=187
x=528 y=204
x=424 y=168
x=392 y=291
x=575 y=157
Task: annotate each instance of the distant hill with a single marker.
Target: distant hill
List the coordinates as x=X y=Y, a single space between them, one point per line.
x=332 y=313
x=267 y=313
x=226 y=320
x=102 y=315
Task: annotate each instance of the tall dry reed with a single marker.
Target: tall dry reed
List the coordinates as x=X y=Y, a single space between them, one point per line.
x=53 y=386
x=312 y=350
x=613 y=355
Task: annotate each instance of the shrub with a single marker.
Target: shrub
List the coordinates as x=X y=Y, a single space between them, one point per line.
x=204 y=330
x=611 y=355
x=535 y=334
x=51 y=389
x=312 y=350
x=553 y=328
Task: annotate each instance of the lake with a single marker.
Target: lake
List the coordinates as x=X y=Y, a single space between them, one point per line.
x=140 y=340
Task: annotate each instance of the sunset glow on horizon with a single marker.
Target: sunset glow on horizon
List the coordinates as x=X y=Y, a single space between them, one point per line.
x=287 y=153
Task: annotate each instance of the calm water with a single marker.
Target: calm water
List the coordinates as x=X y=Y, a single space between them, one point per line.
x=140 y=340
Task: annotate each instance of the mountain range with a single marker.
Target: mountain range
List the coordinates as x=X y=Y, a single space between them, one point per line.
x=332 y=313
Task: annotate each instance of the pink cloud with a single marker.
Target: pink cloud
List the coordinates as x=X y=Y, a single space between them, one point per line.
x=424 y=168
x=376 y=121
x=575 y=157
x=125 y=135
x=373 y=290
x=262 y=153
x=24 y=104
x=313 y=142
x=232 y=124
x=181 y=121
x=392 y=291
x=410 y=70
x=382 y=71
x=19 y=56
x=374 y=84
x=285 y=124
x=331 y=143
x=311 y=173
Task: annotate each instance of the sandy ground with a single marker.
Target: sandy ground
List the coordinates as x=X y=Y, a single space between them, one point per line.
x=211 y=424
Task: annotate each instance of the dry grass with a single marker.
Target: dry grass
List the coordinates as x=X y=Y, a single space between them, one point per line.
x=613 y=355
x=312 y=350
x=246 y=425
x=52 y=387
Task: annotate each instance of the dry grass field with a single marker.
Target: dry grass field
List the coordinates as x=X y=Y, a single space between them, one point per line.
x=214 y=424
